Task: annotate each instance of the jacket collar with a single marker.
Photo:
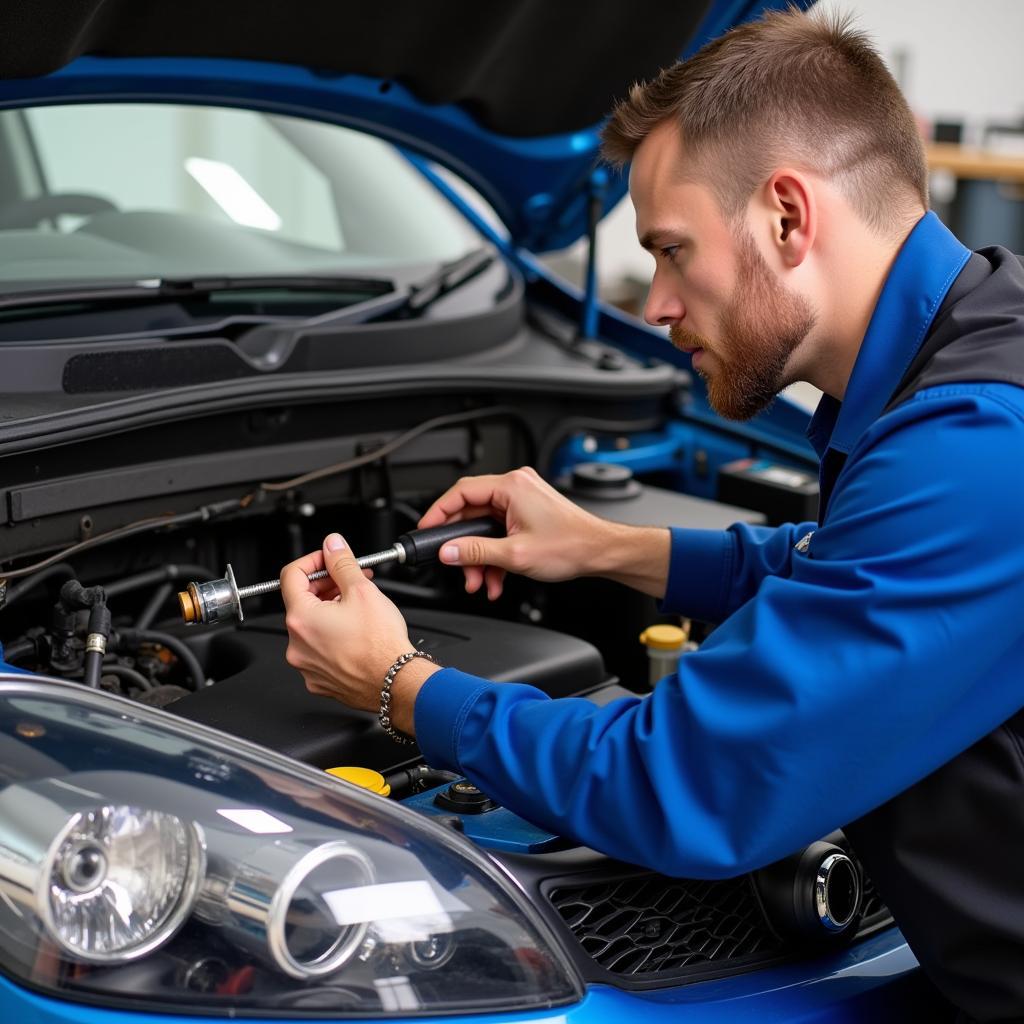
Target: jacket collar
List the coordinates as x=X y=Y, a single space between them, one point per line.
x=925 y=267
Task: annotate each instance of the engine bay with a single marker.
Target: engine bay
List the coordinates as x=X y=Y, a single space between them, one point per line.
x=105 y=554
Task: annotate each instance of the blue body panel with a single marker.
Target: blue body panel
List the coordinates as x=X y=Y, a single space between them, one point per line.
x=878 y=980
x=499 y=829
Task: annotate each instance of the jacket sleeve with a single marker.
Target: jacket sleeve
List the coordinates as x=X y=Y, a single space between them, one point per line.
x=712 y=572
x=893 y=644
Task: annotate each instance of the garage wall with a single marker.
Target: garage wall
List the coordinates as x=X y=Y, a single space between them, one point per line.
x=957 y=61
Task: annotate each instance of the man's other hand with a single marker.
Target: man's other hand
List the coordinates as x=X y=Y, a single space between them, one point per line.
x=548 y=537
x=344 y=634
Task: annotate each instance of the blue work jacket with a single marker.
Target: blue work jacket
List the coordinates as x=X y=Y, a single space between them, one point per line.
x=845 y=669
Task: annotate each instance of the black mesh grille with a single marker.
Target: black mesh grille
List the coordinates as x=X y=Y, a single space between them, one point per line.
x=652 y=924
x=649 y=925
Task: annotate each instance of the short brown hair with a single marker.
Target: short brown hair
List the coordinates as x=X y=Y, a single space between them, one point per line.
x=788 y=87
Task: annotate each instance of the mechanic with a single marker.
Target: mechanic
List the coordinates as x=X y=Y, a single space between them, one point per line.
x=868 y=669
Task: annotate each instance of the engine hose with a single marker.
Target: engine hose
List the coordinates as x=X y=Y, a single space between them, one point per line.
x=153 y=606
x=167 y=572
x=188 y=660
x=93 y=669
x=406 y=781
x=97 y=630
x=30 y=582
x=128 y=675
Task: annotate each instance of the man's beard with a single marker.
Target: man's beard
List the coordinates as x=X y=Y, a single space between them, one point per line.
x=758 y=331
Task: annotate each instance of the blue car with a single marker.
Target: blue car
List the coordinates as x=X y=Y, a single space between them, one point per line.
x=268 y=272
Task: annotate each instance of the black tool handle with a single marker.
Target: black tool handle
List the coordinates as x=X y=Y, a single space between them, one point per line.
x=423 y=545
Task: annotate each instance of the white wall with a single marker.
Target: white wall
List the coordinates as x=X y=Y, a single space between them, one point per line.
x=963 y=60
x=957 y=60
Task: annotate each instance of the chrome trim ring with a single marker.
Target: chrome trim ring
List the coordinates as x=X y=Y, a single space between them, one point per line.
x=836 y=869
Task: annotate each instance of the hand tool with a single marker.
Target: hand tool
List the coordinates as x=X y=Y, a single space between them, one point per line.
x=216 y=600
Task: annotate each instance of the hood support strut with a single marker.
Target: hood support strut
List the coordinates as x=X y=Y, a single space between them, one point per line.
x=597 y=184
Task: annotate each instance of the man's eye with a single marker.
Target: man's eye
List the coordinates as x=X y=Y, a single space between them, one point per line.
x=668 y=252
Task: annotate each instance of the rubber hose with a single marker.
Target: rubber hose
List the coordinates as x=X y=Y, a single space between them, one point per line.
x=171 y=571
x=93 y=669
x=153 y=606
x=128 y=675
x=27 y=584
x=176 y=647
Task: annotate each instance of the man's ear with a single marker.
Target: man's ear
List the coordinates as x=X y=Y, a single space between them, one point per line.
x=789 y=202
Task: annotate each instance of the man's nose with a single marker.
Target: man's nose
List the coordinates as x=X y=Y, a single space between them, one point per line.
x=664 y=306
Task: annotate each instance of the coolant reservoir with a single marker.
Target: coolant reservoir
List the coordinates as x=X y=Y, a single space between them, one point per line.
x=664 y=645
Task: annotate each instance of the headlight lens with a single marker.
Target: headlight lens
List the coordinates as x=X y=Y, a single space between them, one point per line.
x=120 y=883
x=144 y=859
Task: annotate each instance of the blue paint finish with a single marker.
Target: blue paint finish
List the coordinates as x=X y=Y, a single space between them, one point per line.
x=499 y=829
x=876 y=980
x=500 y=241
x=780 y=429
x=686 y=458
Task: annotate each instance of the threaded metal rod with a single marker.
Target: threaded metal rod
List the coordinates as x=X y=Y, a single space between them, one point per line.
x=393 y=554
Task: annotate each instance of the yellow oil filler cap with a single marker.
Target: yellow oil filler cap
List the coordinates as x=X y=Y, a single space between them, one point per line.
x=366 y=778
x=664 y=638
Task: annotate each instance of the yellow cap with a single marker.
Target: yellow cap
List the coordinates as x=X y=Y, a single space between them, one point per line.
x=367 y=778
x=663 y=638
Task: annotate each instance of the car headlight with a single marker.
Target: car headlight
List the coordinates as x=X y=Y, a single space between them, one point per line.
x=147 y=860
x=108 y=882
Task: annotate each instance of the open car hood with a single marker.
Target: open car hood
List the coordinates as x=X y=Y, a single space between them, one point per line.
x=510 y=95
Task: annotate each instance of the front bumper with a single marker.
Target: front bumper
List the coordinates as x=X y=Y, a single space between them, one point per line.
x=877 y=979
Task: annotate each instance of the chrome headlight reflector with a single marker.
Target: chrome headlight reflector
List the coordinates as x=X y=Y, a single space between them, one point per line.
x=122 y=881
x=108 y=882
x=278 y=904
x=147 y=859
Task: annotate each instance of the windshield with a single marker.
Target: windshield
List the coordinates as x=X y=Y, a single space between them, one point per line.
x=124 y=192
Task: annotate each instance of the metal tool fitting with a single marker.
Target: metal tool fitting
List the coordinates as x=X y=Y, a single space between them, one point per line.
x=218 y=600
x=222 y=599
x=212 y=601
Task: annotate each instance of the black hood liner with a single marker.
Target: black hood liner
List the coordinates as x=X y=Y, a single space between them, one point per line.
x=520 y=67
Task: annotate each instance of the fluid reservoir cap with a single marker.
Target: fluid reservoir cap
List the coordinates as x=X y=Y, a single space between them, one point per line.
x=663 y=638
x=465 y=798
x=366 y=778
x=603 y=480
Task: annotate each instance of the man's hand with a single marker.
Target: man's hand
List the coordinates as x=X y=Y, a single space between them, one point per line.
x=547 y=536
x=344 y=634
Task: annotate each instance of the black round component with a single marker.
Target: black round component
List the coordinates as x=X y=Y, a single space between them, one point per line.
x=464 y=797
x=814 y=895
x=603 y=480
x=610 y=361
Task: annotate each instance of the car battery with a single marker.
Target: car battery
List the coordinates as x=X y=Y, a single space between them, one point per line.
x=781 y=493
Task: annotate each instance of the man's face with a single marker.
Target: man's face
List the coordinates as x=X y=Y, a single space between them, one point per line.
x=712 y=287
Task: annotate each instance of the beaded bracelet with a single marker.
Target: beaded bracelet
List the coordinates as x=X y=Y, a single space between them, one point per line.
x=384 y=717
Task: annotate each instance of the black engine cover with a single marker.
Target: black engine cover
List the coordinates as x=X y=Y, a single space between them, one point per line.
x=259 y=697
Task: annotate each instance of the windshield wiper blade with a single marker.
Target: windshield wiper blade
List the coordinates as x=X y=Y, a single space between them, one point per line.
x=446 y=279
x=162 y=288
x=409 y=299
